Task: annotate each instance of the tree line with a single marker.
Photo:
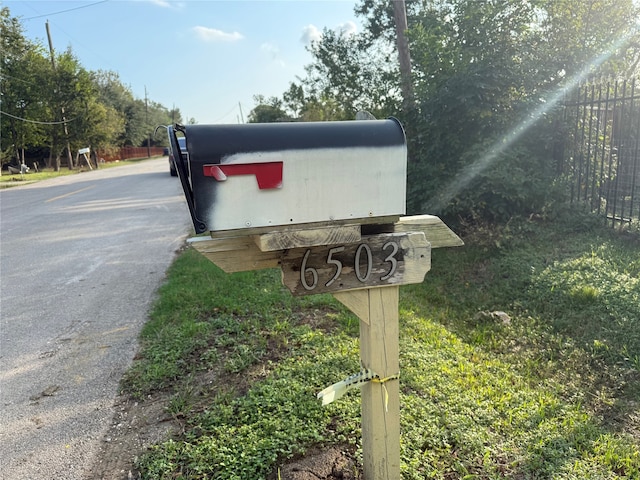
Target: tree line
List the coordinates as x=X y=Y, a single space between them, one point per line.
x=52 y=106
x=487 y=83
x=481 y=104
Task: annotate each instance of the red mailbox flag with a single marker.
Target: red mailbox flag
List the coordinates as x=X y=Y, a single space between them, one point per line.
x=268 y=174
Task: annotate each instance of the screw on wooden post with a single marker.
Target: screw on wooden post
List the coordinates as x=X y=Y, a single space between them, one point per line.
x=377 y=309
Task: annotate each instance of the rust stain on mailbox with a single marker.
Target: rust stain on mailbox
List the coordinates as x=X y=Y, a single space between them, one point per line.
x=278 y=174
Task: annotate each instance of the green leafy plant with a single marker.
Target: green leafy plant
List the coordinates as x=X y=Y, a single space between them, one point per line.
x=549 y=391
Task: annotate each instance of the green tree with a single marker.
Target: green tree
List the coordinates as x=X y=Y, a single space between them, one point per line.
x=311 y=107
x=97 y=125
x=267 y=110
x=140 y=118
x=486 y=74
x=175 y=116
x=472 y=86
x=115 y=95
x=579 y=32
x=157 y=115
x=349 y=73
x=104 y=126
x=73 y=91
x=99 y=111
x=24 y=77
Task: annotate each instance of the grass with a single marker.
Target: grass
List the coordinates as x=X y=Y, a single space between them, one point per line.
x=551 y=392
x=11 y=180
x=8 y=180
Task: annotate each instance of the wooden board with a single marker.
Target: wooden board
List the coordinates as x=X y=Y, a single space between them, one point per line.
x=357 y=301
x=377 y=260
x=235 y=254
x=305 y=226
x=380 y=351
x=269 y=242
x=244 y=252
x=377 y=309
x=435 y=230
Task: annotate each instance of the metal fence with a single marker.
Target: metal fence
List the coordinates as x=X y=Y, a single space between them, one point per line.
x=602 y=149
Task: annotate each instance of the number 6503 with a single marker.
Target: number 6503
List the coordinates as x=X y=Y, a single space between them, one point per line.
x=362 y=262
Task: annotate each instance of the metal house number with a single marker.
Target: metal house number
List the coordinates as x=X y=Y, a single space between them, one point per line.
x=375 y=261
x=362 y=265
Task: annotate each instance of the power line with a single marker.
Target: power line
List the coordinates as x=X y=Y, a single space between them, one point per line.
x=78 y=42
x=34 y=121
x=4 y=75
x=65 y=11
x=226 y=114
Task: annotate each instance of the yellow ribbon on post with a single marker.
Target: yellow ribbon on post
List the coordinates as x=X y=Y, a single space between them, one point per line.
x=339 y=389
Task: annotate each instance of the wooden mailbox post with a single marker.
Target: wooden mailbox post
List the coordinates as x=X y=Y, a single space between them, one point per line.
x=358 y=248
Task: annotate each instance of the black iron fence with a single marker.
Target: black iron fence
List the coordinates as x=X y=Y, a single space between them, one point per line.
x=602 y=149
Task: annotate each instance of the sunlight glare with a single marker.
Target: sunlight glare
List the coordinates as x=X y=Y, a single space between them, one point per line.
x=464 y=178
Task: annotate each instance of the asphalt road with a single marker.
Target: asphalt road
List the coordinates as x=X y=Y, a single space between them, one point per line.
x=81 y=258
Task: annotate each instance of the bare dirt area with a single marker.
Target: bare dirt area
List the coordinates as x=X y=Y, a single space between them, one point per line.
x=134 y=427
x=328 y=464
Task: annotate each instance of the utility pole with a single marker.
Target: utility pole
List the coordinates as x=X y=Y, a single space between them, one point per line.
x=241 y=116
x=400 y=17
x=146 y=110
x=64 y=120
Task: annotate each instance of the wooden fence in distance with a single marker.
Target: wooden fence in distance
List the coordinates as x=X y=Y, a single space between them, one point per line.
x=127 y=153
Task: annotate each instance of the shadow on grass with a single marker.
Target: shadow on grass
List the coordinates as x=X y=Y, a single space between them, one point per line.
x=572 y=291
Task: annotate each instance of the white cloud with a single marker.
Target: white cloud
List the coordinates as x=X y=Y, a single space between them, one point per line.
x=270 y=48
x=310 y=33
x=167 y=4
x=213 y=35
x=348 y=28
x=274 y=53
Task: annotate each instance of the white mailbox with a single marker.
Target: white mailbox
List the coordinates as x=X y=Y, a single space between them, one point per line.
x=265 y=176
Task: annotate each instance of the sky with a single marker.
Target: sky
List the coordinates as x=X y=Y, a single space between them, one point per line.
x=208 y=57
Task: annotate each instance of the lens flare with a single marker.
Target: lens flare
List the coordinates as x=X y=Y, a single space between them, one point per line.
x=464 y=178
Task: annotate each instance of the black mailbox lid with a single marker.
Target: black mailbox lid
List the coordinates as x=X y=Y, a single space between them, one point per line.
x=211 y=143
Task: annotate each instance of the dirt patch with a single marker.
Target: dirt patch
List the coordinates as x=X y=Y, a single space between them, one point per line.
x=329 y=464
x=137 y=425
x=134 y=427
